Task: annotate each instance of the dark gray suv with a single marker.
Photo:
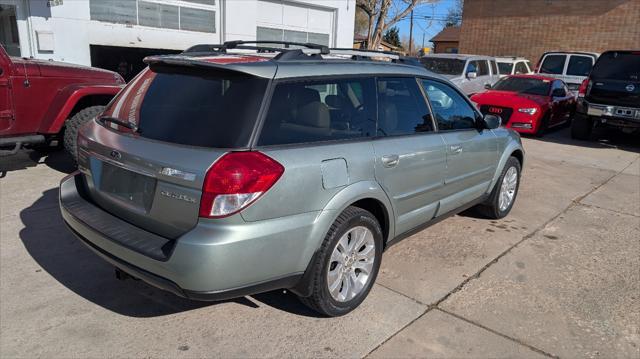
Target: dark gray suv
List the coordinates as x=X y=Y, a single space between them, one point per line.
x=222 y=172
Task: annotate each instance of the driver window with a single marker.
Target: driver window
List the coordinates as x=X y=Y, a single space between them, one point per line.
x=402 y=109
x=451 y=110
x=471 y=67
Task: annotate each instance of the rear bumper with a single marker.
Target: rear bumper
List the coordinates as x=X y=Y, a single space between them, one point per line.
x=618 y=116
x=210 y=262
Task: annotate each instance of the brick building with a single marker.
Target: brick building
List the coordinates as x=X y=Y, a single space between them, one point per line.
x=530 y=27
x=446 y=41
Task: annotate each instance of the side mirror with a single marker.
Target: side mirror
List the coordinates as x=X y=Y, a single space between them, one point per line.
x=558 y=93
x=487 y=86
x=491 y=122
x=472 y=75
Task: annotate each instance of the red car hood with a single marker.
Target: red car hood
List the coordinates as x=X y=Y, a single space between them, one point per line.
x=509 y=99
x=46 y=68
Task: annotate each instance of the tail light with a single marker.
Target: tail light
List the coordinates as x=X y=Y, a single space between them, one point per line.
x=235 y=181
x=583 y=89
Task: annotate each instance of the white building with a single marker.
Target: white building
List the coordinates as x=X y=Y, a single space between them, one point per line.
x=112 y=33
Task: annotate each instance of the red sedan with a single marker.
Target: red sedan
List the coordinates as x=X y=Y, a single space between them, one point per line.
x=528 y=103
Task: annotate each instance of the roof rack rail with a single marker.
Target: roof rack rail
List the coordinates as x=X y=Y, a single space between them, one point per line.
x=241 y=44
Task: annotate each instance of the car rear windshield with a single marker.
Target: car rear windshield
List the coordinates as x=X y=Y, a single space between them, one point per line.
x=505 y=68
x=190 y=107
x=529 y=86
x=443 y=66
x=618 y=66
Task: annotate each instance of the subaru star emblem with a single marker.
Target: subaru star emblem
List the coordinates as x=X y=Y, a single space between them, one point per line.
x=630 y=87
x=115 y=155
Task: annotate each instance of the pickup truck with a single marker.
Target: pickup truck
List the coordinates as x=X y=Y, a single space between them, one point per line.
x=610 y=96
x=44 y=102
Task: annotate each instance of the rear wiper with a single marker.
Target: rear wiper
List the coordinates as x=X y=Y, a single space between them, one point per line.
x=130 y=125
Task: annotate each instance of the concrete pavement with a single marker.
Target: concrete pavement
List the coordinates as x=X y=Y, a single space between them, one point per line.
x=558 y=277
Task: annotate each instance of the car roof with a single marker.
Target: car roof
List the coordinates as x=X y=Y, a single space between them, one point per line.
x=266 y=65
x=594 y=54
x=460 y=56
x=510 y=58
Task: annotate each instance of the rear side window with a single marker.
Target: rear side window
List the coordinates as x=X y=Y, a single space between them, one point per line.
x=579 y=65
x=494 y=68
x=623 y=66
x=553 y=64
x=505 y=68
x=402 y=109
x=451 y=110
x=196 y=108
x=320 y=110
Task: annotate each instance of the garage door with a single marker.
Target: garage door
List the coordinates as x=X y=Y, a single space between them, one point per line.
x=284 y=21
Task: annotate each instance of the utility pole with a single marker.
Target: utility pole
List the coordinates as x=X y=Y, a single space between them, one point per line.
x=411 y=34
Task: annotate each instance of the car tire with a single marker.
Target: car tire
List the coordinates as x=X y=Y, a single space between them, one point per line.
x=494 y=207
x=542 y=127
x=340 y=262
x=581 y=128
x=72 y=126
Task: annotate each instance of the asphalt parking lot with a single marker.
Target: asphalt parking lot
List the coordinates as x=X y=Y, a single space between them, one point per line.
x=560 y=276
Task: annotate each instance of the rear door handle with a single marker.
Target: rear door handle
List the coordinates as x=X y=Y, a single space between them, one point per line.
x=455 y=149
x=389 y=161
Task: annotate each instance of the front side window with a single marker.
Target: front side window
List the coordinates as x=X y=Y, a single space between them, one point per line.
x=521 y=68
x=553 y=64
x=483 y=68
x=451 y=110
x=320 y=110
x=579 y=65
x=401 y=108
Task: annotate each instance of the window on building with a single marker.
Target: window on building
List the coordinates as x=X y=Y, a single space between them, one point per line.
x=579 y=65
x=271 y=34
x=201 y=16
x=553 y=64
x=450 y=108
x=322 y=110
x=401 y=108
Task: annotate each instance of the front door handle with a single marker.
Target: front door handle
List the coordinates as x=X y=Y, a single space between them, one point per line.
x=455 y=149
x=389 y=161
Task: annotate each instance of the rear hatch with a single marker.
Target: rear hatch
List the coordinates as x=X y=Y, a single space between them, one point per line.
x=615 y=79
x=146 y=156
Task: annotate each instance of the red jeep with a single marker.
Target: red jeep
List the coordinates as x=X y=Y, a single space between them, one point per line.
x=43 y=102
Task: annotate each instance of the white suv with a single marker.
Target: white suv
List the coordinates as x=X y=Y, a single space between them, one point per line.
x=471 y=73
x=512 y=65
x=570 y=67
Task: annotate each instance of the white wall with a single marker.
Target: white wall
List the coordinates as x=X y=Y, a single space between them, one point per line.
x=73 y=31
x=241 y=17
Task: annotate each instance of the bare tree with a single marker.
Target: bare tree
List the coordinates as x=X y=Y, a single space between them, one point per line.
x=383 y=14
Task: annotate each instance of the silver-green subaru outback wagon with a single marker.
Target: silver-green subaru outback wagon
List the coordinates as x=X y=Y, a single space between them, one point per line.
x=234 y=169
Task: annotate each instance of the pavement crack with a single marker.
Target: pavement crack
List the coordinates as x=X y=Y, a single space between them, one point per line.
x=402 y=294
x=427 y=310
x=537 y=230
x=607 y=209
x=515 y=340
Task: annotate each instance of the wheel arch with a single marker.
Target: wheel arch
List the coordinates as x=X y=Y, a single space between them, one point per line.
x=72 y=99
x=513 y=148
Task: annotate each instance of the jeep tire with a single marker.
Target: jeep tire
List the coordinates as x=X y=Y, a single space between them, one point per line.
x=72 y=126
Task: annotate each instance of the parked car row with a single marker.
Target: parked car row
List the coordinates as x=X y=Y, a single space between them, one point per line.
x=588 y=88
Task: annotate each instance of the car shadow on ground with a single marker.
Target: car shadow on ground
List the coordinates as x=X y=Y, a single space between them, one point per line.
x=58 y=160
x=66 y=259
x=602 y=137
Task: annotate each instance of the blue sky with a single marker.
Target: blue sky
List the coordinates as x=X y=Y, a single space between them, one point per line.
x=420 y=25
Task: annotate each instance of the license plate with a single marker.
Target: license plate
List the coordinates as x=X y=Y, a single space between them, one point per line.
x=134 y=188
